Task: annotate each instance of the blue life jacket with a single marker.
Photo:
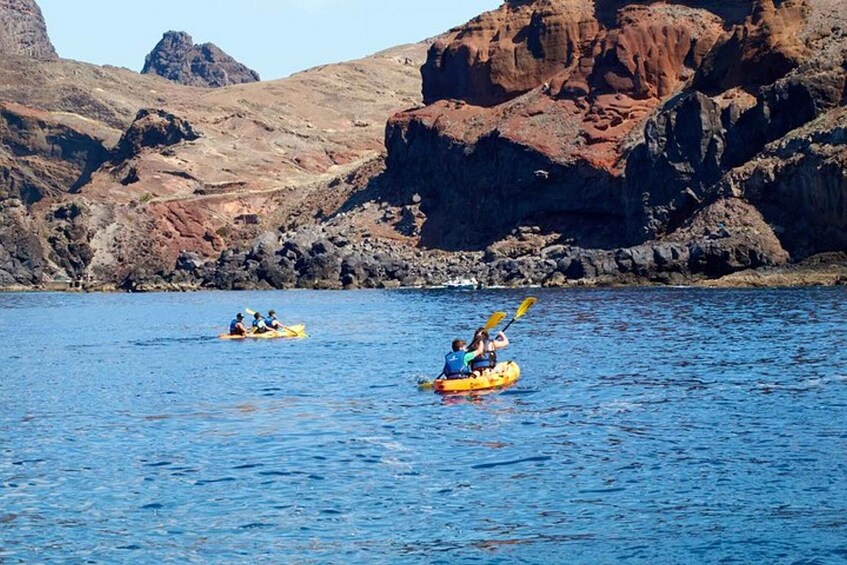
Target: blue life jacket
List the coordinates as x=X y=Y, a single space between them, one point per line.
x=259 y=326
x=270 y=322
x=454 y=365
x=233 y=326
x=488 y=359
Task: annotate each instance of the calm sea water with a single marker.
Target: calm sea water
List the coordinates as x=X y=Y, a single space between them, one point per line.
x=650 y=426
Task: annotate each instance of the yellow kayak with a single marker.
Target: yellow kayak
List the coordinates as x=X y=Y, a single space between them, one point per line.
x=293 y=332
x=503 y=375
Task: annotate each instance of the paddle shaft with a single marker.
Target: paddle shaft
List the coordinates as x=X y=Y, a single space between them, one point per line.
x=525 y=306
x=509 y=325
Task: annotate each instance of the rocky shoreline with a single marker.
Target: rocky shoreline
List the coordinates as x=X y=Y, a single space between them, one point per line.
x=319 y=258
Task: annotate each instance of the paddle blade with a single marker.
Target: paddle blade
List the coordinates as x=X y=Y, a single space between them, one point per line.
x=525 y=306
x=494 y=320
x=250 y=312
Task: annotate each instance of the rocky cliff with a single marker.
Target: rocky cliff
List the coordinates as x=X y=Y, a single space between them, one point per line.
x=177 y=58
x=615 y=125
x=23 y=32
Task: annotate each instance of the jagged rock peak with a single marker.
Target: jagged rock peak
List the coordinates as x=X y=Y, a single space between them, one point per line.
x=23 y=31
x=177 y=58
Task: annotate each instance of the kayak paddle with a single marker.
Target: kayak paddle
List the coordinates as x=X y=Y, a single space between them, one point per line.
x=524 y=308
x=494 y=320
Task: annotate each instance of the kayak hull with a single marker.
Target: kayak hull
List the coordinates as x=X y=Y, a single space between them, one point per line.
x=293 y=332
x=503 y=375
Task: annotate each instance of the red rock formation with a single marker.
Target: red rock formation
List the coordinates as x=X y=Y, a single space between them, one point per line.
x=570 y=84
x=757 y=52
x=509 y=51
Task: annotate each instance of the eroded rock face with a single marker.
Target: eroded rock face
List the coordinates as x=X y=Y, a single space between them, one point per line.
x=23 y=32
x=177 y=58
x=759 y=51
x=509 y=51
x=40 y=156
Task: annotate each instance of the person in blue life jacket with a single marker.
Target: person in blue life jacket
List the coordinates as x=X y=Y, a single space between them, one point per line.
x=487 y=358
x=236 y=327
x=457 y=362
x=272 y=322
x=259 y=326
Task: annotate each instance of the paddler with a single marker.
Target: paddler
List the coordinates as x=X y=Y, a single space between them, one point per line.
x=487 y=358
x=259 y=326
x=236 y=327
x=457 y=362
x=272 y=322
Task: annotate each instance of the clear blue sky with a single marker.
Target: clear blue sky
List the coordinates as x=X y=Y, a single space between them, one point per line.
x=274 y=37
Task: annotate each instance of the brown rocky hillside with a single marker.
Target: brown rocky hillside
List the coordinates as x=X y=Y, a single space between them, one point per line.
x=89 y=191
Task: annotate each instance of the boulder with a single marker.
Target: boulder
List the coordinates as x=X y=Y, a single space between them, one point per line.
x=153 y=129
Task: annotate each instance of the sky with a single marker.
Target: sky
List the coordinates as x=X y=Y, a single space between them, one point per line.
x=273 y=37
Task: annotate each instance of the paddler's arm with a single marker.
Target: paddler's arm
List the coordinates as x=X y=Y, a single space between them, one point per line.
x=501 y=341
x=480 y=349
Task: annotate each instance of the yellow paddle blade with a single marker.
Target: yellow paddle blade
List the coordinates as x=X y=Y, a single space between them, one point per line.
x=295 y=331
x=250 y=312
x=494 y=320
x=525 y=306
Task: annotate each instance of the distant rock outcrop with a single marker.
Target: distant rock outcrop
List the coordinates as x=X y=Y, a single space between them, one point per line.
x=153 y=128
x=23 y=31
x=177 y=58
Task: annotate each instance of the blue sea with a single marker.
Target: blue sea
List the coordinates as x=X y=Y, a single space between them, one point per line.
x=650 y=426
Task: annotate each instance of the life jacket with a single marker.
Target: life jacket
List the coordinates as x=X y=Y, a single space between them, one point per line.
x=488 y=359
x=259 y=326
x=454 y=365
x=233 y=327
x=270 y=322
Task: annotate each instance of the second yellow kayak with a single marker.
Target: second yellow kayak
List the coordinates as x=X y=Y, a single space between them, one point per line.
x=293 y=332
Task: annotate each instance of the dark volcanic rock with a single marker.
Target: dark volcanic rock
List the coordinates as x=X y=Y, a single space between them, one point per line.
x=473 y=195
x=21 y=252
x=783 y=106
x=153 y=129
x=800 y=186
x=70 y=239
x=23 y=31
x=680 y=157
x=177 y=58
